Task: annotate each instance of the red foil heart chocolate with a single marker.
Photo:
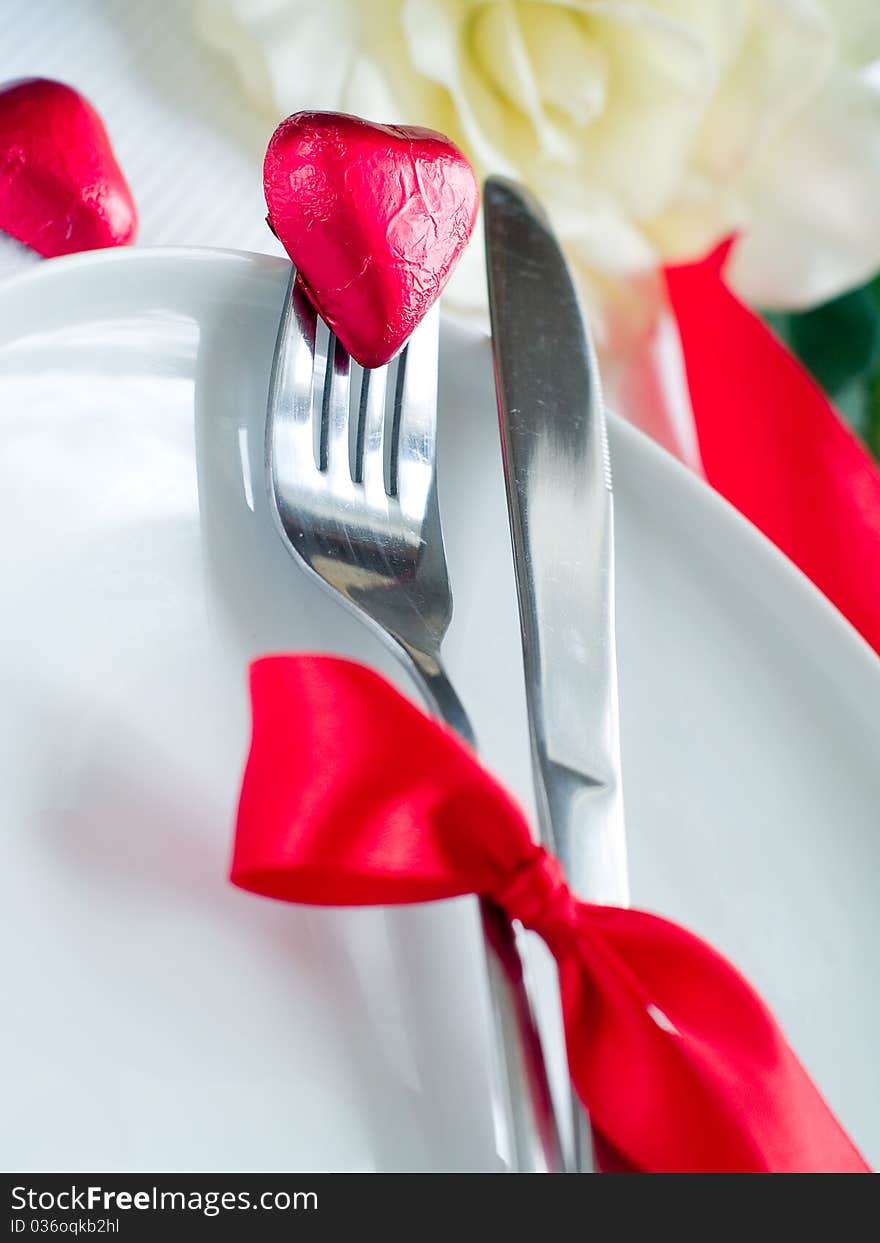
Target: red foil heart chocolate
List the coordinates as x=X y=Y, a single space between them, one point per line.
x=61 y=189
x=374 y=217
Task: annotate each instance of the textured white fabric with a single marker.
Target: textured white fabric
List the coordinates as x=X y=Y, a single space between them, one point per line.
x=189 y=146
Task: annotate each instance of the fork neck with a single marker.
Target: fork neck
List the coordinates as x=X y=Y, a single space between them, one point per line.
x=441 y=694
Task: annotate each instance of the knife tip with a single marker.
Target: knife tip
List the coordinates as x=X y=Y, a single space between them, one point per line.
x=503 y=193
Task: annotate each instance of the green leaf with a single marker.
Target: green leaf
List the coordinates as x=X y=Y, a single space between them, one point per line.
x=839 y=344
x=852 y=403
x=871 y=431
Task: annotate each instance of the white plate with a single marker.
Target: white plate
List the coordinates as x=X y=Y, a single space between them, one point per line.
x=155 y=1018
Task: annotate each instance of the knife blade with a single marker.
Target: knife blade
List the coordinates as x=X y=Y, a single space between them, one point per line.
x=560 y=505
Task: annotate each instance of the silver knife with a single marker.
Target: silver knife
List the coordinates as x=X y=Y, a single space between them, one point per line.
x=558 y=478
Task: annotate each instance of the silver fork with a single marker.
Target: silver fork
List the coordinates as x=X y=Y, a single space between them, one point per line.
x=350 y=459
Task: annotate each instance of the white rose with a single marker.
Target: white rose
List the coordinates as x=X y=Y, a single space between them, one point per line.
x=649 y=128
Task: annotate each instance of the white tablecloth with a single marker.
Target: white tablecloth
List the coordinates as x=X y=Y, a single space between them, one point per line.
x=186 y=139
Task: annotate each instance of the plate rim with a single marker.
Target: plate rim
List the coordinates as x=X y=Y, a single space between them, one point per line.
x=687 y=504
x=819 y=611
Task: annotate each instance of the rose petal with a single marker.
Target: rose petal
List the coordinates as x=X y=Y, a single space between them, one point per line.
x=805 y=246
x=661 y=78
x=491 y=129
x=647 y=127
x=660 y=73
x=857 y=25
x=569 y=63
x=701 y=214
x=306 y=48
x=775 y=64
x=295 y=55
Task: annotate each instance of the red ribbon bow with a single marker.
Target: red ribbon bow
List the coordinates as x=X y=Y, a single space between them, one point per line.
x=353 y=797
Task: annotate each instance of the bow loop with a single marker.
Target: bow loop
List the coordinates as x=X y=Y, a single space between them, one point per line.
x=352 y=796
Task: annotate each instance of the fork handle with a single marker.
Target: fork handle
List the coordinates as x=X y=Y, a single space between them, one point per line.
x=526 y=1129
x=443 y=696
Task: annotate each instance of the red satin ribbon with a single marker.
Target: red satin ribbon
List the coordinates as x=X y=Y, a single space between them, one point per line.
x=772 y=443
x=353 y=797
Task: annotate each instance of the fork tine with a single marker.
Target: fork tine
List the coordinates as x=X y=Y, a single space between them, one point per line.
x=320 y=394
x=335 y=412
x=416 y=426
x=373 y=416
x=392 y=422
x=291 y=386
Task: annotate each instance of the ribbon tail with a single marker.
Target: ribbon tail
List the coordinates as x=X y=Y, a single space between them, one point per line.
x=773 y=445
x=681 y=1066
